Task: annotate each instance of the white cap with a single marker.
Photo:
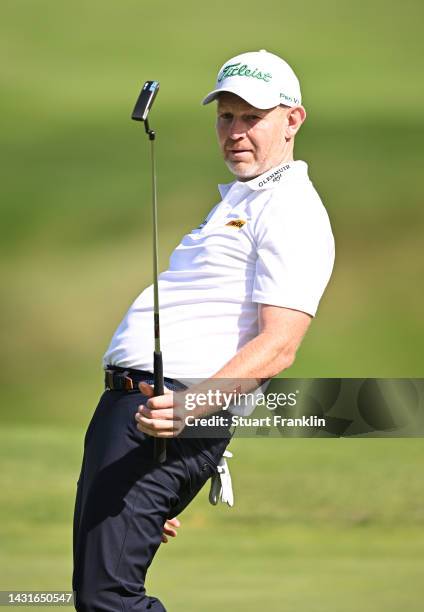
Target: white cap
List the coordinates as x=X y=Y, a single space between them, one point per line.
x=263 y=79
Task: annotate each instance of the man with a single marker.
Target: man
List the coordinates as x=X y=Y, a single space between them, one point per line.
x=236 y=301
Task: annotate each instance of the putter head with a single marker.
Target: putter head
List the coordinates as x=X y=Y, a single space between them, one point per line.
x=145 y=100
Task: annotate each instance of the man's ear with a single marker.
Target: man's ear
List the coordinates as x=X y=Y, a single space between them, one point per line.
x=294 y=119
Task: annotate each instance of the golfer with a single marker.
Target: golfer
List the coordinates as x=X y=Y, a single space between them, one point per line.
x=236 y=300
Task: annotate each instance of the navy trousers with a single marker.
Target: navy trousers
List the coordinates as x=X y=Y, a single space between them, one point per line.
x=123 y=500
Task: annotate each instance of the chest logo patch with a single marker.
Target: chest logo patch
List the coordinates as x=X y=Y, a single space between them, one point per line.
x=236 y=223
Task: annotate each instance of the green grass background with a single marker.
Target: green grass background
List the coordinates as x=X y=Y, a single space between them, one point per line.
x=332 y=525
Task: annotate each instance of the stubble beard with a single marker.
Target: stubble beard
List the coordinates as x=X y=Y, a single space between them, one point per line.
x=243 y=171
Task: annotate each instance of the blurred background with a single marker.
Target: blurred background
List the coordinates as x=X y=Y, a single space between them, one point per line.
x=320 y=525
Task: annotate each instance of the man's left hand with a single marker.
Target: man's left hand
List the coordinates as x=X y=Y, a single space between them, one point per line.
x=170 y=529
x=162 y=416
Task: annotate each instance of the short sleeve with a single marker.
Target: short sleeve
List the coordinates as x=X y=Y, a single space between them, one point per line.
x=295 y=250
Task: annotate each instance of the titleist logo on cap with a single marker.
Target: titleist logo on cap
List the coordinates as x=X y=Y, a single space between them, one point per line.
x=243 y=70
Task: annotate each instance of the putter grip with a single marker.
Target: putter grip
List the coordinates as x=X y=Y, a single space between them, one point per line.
x=159 y=443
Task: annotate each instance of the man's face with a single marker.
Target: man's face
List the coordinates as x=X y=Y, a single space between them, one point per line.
x=251 y=140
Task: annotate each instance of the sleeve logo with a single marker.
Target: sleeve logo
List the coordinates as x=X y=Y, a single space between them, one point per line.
x=237 y=223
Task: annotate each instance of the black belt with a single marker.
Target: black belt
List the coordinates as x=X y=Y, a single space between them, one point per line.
x=126 y=379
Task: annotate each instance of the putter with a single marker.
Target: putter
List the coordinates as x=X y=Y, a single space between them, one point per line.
x=140 y=113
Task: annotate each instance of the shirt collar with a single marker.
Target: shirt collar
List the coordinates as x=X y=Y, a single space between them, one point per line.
x=271 y=178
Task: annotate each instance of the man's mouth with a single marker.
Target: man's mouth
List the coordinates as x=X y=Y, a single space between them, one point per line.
x=238 y=153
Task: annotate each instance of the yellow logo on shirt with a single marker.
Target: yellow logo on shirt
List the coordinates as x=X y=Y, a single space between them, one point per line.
x=238 y=223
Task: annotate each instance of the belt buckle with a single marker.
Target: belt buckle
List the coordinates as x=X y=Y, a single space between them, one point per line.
x=126 y=382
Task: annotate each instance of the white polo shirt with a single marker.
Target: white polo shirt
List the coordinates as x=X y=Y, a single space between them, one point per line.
x=268 y=241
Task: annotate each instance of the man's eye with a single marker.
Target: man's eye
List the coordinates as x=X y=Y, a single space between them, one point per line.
x=226 y=116
x=253 y=117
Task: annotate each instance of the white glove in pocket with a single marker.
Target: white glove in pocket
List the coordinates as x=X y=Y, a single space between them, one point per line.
x=221 y=485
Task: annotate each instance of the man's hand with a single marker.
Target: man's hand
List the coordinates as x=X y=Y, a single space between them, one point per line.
x=170 y=529
x=162 y=416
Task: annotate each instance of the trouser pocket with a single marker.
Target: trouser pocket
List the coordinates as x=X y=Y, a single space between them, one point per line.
x=201 y=458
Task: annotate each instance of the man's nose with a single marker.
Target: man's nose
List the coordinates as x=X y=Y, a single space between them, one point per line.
x=237 y=128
